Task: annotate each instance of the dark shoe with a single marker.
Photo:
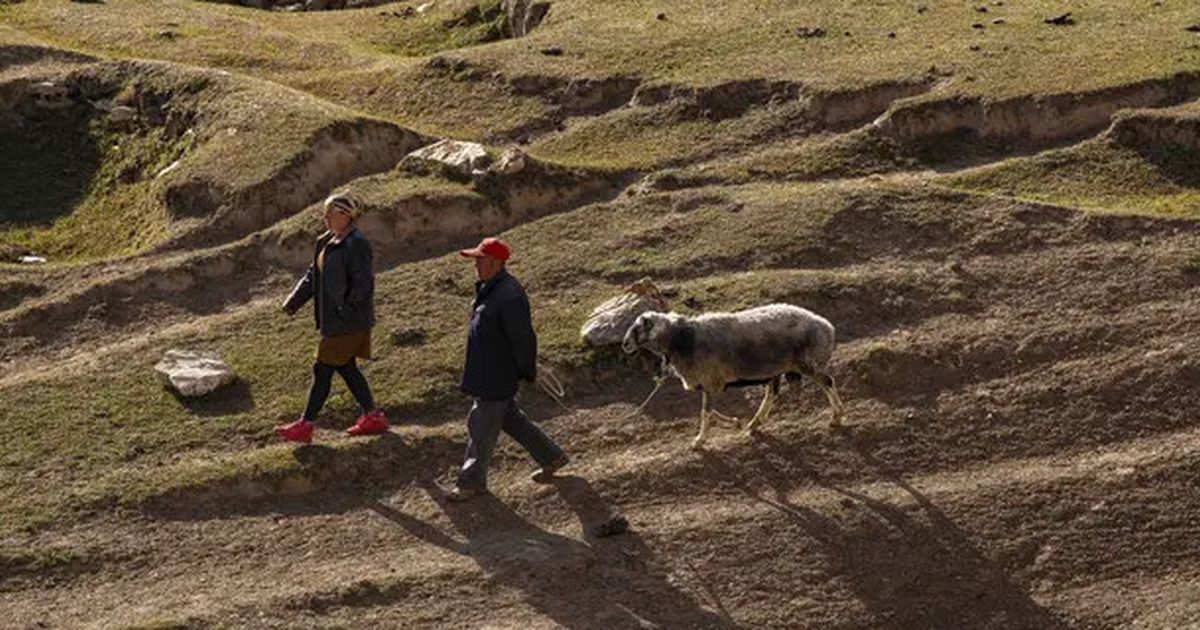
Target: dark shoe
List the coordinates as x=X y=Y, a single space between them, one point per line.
x=464 y=493
x=613 y=526
x=545 y=474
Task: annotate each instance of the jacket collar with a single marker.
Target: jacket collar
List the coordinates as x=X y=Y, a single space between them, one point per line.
x=483 y=288
x=326 y=238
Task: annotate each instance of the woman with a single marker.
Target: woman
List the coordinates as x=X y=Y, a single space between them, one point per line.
x=342 y=286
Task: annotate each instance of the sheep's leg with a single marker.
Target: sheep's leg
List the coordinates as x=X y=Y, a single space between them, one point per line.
x=835 y=401
x=830 y=389
x=699 y=441
x=764 y=409
x=737 y=422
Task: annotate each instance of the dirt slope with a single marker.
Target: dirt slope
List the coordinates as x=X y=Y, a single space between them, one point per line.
x=1013 y=266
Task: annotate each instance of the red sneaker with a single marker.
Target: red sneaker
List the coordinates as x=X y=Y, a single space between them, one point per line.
x=298 y=431
x=372 y=423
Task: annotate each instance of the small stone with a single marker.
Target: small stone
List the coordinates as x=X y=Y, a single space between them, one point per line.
x=512 y=161
x=807 y=32
x=977 y=25
x=552 y=51
x=194 y=373
x=1063 y=19
x=981 y=9
x=974 y=48
x=891 y=36
x=661 y=16
x=998 y=21
x=1194 y=28
x=123 y=113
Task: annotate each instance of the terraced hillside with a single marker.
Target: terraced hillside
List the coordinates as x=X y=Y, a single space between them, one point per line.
x=999 y=214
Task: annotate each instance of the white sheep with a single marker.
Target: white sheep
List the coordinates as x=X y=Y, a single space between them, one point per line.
x=752 y=347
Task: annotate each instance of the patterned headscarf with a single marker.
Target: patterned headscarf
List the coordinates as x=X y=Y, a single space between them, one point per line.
x=344 y=203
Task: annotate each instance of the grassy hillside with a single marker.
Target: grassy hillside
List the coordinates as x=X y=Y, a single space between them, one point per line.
x=998 y=214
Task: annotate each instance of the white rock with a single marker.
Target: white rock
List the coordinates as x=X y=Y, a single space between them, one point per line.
x=465 y=157
x=608 y=322
x=48 y=89
x=33 y=260
x=511 y=162
x=425 y=7
x=169 y=168
x=123 y=113
x=194 y=373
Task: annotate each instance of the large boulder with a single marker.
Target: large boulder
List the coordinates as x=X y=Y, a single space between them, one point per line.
x=608 y=322
x=465 y=158
x=194 y=373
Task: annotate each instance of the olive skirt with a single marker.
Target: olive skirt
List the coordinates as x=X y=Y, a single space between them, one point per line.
x=340 y=349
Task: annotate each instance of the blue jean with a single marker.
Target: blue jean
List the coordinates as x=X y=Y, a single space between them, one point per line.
x=484 y=423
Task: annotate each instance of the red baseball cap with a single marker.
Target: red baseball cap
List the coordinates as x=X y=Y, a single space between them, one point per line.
x=491 y=247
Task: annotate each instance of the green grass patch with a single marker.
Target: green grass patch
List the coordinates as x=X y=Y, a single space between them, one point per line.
x=1097 y=175
x=82 y=186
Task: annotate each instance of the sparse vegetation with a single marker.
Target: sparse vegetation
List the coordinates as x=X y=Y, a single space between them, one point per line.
x=1014 y=313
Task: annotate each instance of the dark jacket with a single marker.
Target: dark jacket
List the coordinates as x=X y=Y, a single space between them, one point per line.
x=344 y=290
x=501 y=344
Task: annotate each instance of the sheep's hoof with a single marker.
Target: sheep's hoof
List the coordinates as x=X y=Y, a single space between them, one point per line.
x=737 y=422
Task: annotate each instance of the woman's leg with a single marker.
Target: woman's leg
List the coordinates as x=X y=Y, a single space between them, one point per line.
x=358 y=385
x=319 y=392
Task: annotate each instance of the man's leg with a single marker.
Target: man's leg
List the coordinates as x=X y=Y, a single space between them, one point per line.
x=543 y=450
x=483 y=429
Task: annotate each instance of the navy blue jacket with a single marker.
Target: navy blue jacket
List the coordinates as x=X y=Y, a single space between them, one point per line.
x=501 y=344
x=344 y=289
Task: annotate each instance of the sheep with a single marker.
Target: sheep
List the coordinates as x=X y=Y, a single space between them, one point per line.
x=756 y=346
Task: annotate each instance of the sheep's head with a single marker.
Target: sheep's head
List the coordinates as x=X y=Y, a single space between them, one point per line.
x=646 y=329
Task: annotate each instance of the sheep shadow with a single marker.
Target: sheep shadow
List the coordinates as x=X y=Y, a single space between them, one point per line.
x=909 y=569
x=598 y=583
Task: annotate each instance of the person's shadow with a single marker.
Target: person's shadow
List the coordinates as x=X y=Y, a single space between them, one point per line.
x=603 y=583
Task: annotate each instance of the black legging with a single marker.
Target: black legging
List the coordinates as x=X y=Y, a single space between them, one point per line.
x=323 y=377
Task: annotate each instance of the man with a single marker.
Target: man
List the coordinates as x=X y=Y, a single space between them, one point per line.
x=501 y=351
